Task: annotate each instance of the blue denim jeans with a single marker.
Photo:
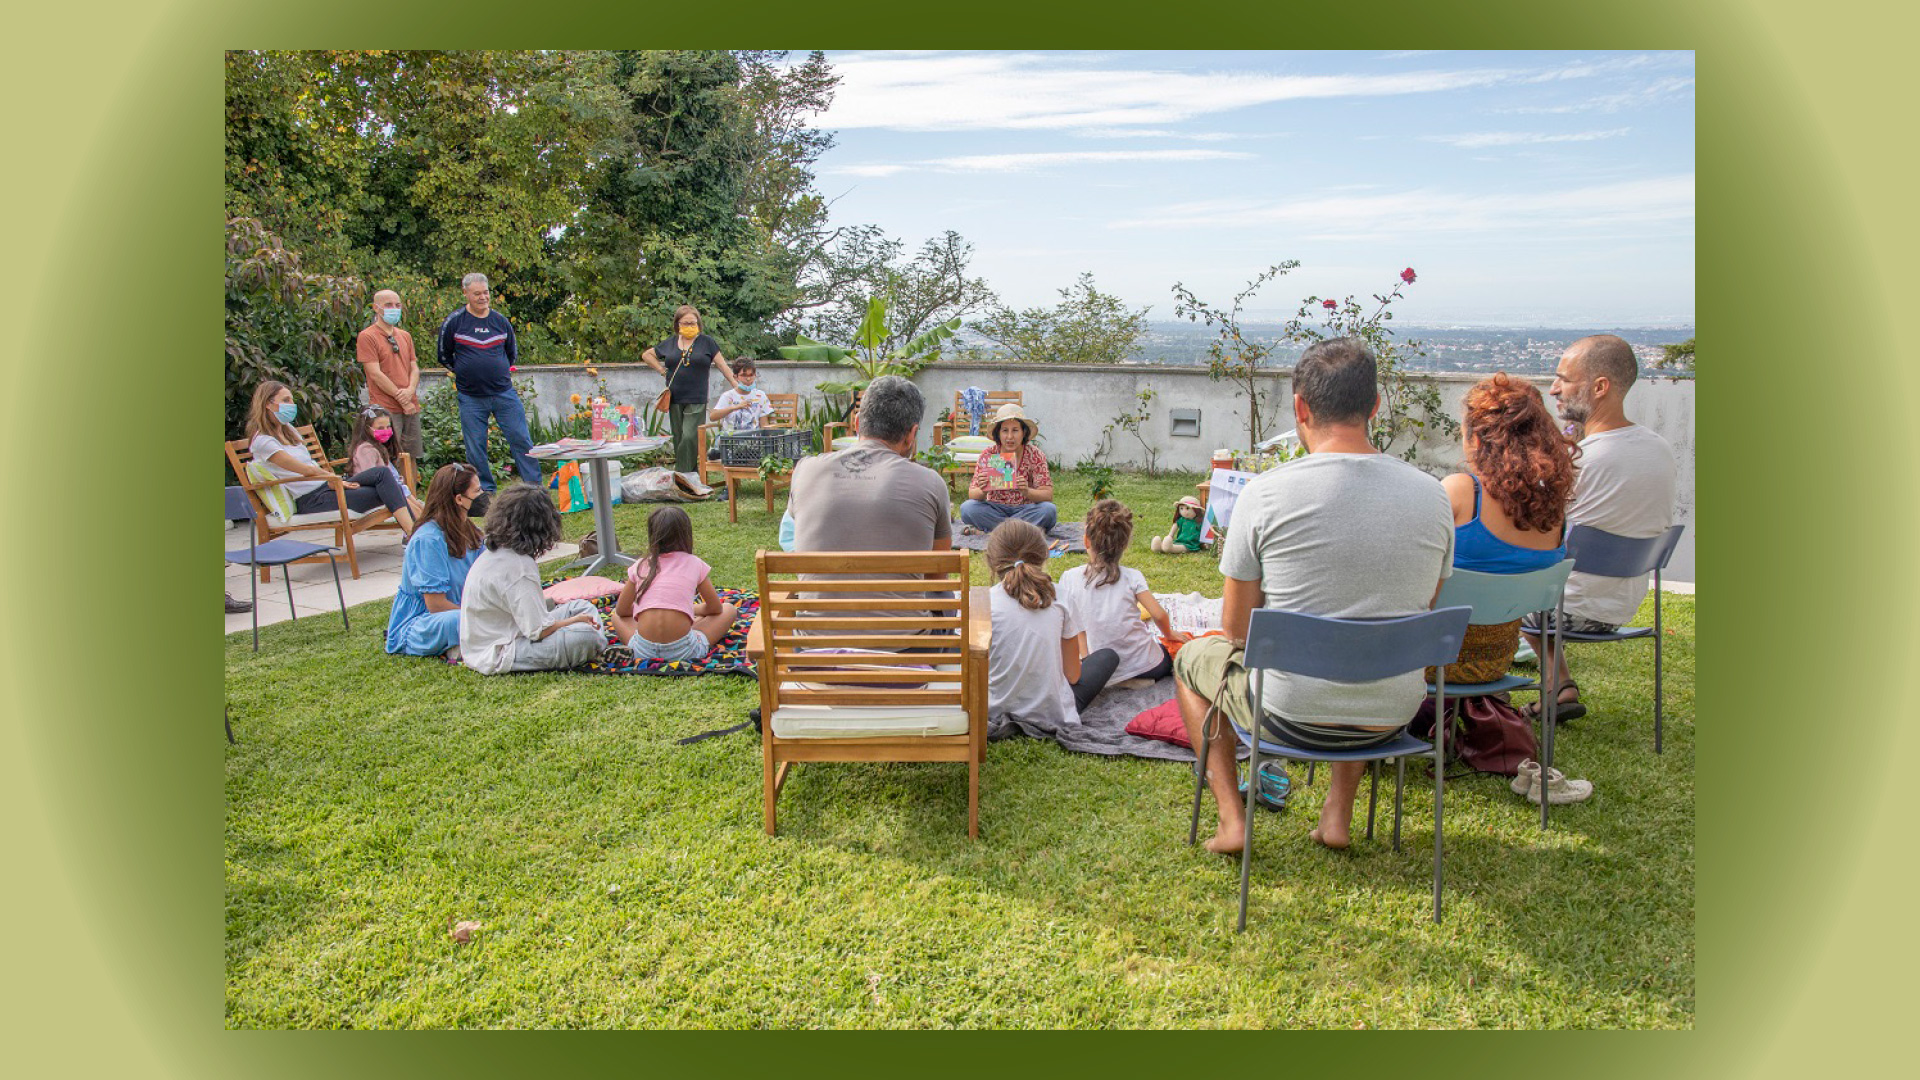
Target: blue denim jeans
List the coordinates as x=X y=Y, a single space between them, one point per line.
x=987 y=516
x=512 y=417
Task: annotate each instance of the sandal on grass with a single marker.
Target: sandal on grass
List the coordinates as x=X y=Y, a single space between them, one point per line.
x=1275 y=787
x=1568 y=710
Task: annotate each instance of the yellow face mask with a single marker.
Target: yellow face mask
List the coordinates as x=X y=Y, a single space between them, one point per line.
x=688 y=333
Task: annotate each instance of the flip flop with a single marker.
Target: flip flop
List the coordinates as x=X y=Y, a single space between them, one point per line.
x=1275 y=788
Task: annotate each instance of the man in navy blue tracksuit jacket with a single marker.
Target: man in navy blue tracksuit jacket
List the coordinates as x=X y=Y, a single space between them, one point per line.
x=477 y=346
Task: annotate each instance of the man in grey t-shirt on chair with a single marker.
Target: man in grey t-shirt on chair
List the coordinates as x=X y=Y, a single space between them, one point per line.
x=873 y=496
x=1345 y=532
x=1623 y=483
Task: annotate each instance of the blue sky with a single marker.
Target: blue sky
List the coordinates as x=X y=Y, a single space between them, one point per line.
x=1524 y=188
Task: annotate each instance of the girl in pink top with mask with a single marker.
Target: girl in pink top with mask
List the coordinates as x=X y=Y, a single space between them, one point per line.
x=657 y=614
x=371 y=446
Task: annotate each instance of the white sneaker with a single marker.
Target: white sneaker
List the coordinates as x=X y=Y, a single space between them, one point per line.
x=1527 y=776
x=1560 y=790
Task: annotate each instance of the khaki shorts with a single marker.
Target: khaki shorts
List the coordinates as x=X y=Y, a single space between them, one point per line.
x=1204 y=662
x=1201 y=663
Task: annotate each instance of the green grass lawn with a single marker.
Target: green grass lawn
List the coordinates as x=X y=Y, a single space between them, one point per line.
x=621 y=880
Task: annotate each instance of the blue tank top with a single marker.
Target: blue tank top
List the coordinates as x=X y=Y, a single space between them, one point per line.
x=1474 y=548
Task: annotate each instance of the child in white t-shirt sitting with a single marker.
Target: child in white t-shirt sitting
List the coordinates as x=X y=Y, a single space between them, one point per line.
x=1108 y=598
x=1036 y=672
x=741 y=408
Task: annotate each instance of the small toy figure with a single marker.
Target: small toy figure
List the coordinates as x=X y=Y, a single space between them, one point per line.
x=1184 y=536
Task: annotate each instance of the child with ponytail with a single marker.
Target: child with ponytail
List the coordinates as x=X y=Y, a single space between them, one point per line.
x=1109 y=598
x=668 y=608
x=1036 y=671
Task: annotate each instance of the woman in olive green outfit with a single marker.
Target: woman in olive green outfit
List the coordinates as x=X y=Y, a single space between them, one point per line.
x=684 y=359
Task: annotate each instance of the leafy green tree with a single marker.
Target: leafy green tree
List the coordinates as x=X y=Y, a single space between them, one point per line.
x=673 y=217
x=1086 y=327
x=288 y=325
x=873 y=353
x=1677 y=358
x=930 y=288
x=1232 y=356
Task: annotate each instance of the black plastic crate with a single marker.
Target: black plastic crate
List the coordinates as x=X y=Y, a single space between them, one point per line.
x=746 y=449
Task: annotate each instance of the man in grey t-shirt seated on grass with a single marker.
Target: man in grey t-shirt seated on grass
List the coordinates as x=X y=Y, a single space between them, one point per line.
x=1345 y=532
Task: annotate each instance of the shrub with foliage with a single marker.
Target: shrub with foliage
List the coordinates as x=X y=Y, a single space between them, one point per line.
x=290 y=326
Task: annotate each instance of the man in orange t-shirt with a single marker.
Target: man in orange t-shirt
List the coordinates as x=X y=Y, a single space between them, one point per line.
x=393 y=373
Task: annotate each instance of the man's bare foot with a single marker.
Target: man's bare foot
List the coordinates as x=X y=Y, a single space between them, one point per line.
x=1231 y=839
x=1326 y=836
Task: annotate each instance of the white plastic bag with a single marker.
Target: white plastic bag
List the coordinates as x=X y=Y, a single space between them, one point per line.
x=659 y=485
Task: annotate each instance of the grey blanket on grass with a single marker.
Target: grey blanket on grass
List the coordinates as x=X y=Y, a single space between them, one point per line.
x=1073 y=532
x=1103 y=727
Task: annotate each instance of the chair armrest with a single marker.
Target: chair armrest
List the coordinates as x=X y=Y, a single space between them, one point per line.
x=407 y=473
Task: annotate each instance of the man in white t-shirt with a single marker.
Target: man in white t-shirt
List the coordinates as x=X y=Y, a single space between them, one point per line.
x=1345 y=532
x=1624 y=483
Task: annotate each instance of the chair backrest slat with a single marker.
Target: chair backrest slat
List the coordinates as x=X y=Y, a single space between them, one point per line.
x=239 y=508
x=1354 y=650
x=1500 y=598
x=1596 y=551
x=800 y=625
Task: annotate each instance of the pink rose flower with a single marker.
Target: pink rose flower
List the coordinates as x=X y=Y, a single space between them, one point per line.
x=1407 y=275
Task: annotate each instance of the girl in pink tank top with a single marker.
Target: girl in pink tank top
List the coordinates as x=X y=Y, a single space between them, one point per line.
x=668 y=609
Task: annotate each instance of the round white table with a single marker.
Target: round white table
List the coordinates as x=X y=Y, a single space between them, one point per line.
x=601 y=481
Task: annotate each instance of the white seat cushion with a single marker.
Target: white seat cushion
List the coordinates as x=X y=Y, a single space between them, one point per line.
x=319 y=517
x=867 y=721
x=845 y=441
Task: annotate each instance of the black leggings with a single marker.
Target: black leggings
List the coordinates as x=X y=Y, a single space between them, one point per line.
x=378 y=487
x=1161 y=670
x=1095 y=669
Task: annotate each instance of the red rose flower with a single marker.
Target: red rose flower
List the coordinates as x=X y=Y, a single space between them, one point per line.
x=1407 y=275
x=1328 y=304
x=513 y=367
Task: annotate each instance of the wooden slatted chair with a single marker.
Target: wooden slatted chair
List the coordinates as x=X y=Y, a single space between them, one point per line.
x=830 y=692
x=841 y=428
x=345 y=524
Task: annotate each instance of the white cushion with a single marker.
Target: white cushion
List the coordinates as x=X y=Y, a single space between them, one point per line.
x=867 y=721
x=319 y=517
x=845 y=441
x=969 y=444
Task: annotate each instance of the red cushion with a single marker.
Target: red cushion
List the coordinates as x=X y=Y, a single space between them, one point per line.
x=1161 y=722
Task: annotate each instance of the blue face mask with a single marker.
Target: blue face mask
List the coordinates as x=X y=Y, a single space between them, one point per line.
x=287 y=412
x=392 y=315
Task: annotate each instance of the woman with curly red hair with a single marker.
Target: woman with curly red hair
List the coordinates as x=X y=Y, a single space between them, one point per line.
x=1509 y=506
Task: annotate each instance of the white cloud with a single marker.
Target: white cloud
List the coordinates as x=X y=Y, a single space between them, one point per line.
x=1168 y=133
x=1483 y=139
x=1027 y=162
x=1657 y=92
x=976 y=91
x=1657 y=200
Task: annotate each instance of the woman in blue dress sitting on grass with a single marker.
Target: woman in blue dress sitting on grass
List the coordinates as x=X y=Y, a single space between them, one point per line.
x=426 y=610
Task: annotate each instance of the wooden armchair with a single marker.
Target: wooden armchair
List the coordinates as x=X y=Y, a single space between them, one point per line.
x=785 y=414
x=344 y=523
x=956 y=419
x=839 y=428
x=829 y=693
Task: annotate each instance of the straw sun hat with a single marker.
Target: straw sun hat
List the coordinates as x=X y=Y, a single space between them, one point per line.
x=1011 y=411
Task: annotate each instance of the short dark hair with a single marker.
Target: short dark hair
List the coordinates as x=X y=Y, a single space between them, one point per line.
x=889 y=408
x=524 y=520
x=744 y=365
x=1339 y=381
x=1607 y=356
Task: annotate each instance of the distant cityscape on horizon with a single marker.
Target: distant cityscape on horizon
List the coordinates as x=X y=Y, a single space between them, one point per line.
x=1531 y=350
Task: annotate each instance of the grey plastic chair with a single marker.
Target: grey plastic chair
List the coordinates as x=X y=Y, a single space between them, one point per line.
x=1347 y=651
x=274 y=553
x=1596 y=551
x=1500 y=598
